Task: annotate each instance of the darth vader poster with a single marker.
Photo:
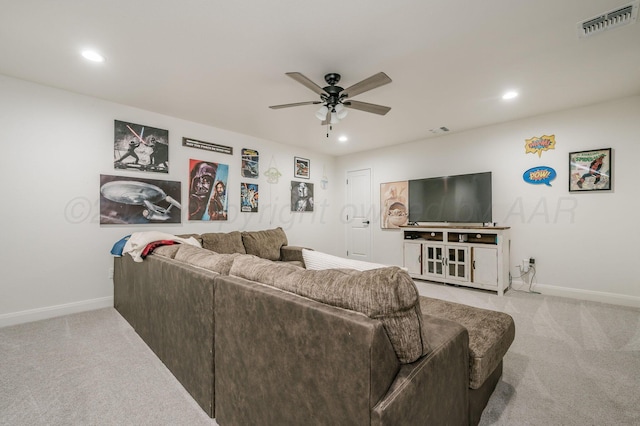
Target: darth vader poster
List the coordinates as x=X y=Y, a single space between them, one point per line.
x=207 y=190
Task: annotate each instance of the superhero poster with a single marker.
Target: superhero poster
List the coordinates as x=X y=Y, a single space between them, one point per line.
x=208 y=190
x=590 y=170
x=140 y=147
x=248 y=197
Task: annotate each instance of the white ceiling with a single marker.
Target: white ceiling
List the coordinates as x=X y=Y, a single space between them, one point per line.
x=223 y=63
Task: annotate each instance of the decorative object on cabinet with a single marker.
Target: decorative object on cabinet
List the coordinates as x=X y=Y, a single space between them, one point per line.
x=394 y=203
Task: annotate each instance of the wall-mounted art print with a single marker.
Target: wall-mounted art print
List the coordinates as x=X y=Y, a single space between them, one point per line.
x=301 y=168
x=207 y=146
x=540 y=175
x=126 y=200
x=140 y=147
x=590 y=170
x=394 y=203
x=248 y=197
x=301 y=196
x=207 y=190
x=536 y=144
x=250 y=163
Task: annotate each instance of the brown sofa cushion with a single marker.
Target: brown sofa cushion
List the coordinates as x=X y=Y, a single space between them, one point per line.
x=207 y=259
x=223 y=242
x=490 y=334
x=387 y=294
x=261 y=270
x=265 y=244
x=169 y=250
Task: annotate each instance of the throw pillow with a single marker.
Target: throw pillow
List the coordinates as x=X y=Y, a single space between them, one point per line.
x=207 y=259
x=223 y=242
x=265 y=244
x=316 y=260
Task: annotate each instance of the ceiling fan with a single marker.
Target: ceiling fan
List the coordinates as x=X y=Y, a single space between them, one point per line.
x=334 y=98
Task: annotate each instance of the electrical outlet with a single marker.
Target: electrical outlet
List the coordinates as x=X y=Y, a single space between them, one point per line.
x=110 y=274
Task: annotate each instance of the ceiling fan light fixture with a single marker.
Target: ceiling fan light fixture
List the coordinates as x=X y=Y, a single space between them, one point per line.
x=321 y=114
x=334 y=118
x=341 y=111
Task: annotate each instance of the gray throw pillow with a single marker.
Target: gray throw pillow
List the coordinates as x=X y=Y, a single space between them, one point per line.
x=223 y=242
x=265 y=244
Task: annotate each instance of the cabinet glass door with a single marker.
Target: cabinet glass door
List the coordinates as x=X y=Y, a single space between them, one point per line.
x=457 y=263
x=432 y=261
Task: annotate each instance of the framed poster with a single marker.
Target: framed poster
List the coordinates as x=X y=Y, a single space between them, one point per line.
x=127 y=201
x=394 y=203
x=207 y=190
x=590 y=170
x=301 y=168
x=301 y=196
x=140 y=147
x=248 y=197
x=250 y=162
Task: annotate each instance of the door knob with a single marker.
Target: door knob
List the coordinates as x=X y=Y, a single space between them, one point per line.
x=366 y=222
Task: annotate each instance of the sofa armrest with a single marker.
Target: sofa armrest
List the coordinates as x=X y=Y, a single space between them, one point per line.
x=432 y=390
x=291 y=254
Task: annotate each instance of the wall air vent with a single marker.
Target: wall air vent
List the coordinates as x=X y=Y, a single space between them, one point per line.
x=616 y=18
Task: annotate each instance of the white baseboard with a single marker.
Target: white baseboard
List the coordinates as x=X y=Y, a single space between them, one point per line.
x=54 y=311
x=580 y=294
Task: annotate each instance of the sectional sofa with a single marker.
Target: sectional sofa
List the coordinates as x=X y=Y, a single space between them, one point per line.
x=257 y=338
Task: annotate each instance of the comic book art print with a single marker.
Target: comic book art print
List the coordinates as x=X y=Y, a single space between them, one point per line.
x=250 y=163
x=140 y=147
x=394 y=203
x=249 y=197
x=590 y=170
x=208 y=190
x=127 y=200
x=301 y=196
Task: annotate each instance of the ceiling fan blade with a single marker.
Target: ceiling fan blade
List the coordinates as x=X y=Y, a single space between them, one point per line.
x=372 y=82
x=365 y=106
x=306 y=82
x=295 y=104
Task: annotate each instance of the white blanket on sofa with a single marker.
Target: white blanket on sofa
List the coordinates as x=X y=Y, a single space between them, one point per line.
x=139 y=240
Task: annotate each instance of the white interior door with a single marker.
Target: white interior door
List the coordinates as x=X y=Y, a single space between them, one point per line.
x=358 y=214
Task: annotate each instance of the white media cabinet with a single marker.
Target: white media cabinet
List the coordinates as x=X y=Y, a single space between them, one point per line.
x=471 y=256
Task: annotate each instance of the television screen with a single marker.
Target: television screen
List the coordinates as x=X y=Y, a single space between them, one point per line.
x=461 y=198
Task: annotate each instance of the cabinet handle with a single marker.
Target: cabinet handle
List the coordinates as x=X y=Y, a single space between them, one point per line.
x=474 y=264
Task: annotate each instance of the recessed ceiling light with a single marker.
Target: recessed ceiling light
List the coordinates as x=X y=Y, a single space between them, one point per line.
x=343 y=138
x=92 y=56
x=510 y=95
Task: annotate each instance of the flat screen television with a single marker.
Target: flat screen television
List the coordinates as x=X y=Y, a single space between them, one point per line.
x=461 y=198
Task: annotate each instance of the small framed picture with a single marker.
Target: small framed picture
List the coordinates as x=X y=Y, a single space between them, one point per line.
x=301 y=167
x=590 y=170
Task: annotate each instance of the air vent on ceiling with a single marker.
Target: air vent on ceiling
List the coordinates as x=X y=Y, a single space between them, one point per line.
x=439 y=130
x=613 y=19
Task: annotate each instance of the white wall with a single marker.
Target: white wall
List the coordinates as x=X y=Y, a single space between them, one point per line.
x=55 y=144
x=585 y=244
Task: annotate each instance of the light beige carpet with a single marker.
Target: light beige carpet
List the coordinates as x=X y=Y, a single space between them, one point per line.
x=572 y=363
